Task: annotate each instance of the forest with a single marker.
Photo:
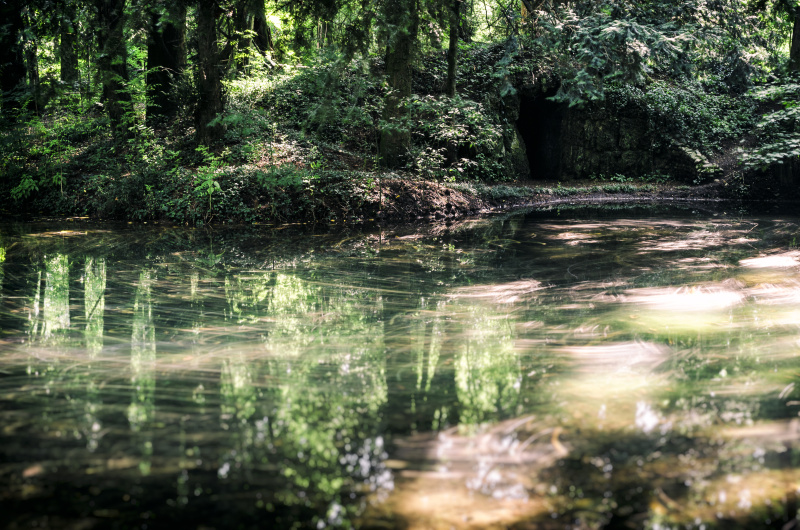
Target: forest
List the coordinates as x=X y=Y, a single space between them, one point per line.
x=418 y=264
x=259 y=112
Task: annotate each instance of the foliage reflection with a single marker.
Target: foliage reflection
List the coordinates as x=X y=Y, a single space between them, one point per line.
x=592 y=373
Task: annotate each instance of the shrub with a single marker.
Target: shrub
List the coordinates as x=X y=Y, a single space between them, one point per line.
x=452 y=138
x=687 y=113
x=779 y=130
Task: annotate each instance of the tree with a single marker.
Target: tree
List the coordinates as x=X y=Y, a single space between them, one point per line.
x=252 y=30
x=596 y=43
x=112 y=65
x=403 y=17
x=790 y=9
x=12 y=61
x=31 y=52
x=68 y=56
x=166 y=59
x=262 y=37
x=452 y=50
x=794 y=50
x=208 y=73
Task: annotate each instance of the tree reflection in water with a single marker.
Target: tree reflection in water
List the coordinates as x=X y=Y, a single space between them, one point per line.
x=523 y=372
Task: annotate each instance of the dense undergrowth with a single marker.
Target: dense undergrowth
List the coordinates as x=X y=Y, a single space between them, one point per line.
x=300 y=143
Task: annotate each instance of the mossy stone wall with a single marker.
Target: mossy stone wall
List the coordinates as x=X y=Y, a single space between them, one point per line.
x=565 y=143
x=597 y=141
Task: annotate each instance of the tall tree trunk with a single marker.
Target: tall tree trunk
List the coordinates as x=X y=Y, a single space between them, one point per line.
x=465 y=30
x=31 y=47
x=250 y=22
x=263 y=35
x=452 y=50
x=243 y=24
x=794 y=51
x=69 y=38
x=12 y=60
x=166 y=59
x=208 y=74
x=403 y=15
x=452 y=58
x=112 y=66
x=361 y=37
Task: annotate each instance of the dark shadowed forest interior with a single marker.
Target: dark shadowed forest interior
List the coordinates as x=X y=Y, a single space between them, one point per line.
x=249 y=111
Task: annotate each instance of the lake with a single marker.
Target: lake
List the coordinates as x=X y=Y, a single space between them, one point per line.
x=617 y=367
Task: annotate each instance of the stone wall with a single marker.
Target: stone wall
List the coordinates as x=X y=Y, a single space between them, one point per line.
x=575 y=144
x=600 y=142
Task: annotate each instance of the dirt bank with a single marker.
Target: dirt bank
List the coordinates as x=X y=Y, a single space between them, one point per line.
x=405 y=199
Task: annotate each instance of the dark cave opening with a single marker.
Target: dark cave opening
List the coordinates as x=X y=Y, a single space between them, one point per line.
x=539 y=125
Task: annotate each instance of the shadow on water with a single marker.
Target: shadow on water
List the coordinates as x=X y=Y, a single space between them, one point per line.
x=606 y=370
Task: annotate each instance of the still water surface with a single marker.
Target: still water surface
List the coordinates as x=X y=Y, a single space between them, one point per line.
x=564 y=369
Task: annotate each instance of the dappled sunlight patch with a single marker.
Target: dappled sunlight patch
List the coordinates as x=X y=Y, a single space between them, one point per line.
x=618 y=225
x=575 y=307
x=583 y=242
x=772 y=434
x=700 y=263
x=763 y=276
x=503 y=293
x=775 y=261
x=702 y=240
x=65 y=233
x=609 y=385
x=483 y=479
x=464 y=481
x=776 y=294
x=781 y=320
x=574 y=227
x=613 y=400
x=616 y=357
x=571 y=236
x=743 y=241
x=692 y=299
x=575 y=238
x=426 y=500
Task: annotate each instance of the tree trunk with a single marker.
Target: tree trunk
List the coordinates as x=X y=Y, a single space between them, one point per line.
x=250 y=23
x=263 y=35
x=69 y=59
x=394 y=141
x=208 y=74
x=166 y=59
x=12 y=60
x=243 y=25
x=32 y=63
x=452 y=50
x=794 y=51
x=452 y=57
x=112 y=67
x=465 y=30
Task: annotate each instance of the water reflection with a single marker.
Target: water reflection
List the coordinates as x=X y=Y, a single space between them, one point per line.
x=487 y=370
x=2 y=268
x=56 y=297
x=141 y=411
x=526 y=371
x=94 y=303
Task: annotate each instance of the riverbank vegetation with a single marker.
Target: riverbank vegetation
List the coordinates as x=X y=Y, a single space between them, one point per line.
x=250 y=112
